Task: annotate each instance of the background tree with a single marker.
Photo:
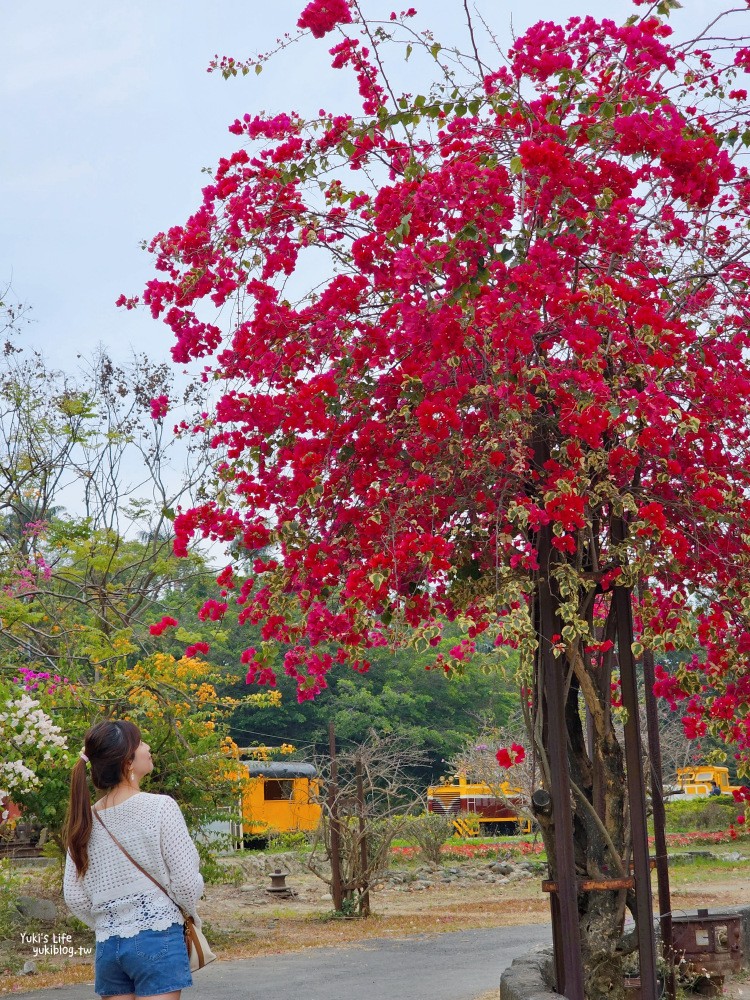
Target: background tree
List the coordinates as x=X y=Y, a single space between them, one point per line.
x=83 y=595
x=436 y=712
x=77 y=586
x=515 y=394
x=510 y=773
x=31 y=747
x=366 y=807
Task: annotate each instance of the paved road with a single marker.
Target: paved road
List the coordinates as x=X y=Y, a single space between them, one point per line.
x=451 y=966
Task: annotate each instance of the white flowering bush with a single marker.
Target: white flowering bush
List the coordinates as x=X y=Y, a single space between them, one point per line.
x=30 y=742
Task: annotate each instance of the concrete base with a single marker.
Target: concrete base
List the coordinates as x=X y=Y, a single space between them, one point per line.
x=529 y=978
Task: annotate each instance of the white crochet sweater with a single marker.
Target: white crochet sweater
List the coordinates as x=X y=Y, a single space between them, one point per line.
x=113 y=897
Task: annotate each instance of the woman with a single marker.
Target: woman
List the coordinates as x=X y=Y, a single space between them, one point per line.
x=140 y=949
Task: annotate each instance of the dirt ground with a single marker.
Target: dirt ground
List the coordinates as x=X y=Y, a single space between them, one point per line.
x=244 y=920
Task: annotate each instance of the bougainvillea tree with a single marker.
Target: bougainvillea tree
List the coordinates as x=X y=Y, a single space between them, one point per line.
x=29 y=742
x=479 y=355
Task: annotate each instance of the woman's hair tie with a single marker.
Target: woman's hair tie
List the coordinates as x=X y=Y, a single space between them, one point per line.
x=83 y=757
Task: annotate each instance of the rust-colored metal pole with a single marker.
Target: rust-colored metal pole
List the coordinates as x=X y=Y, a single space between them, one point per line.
x=565 y=911
x=660 y=823
x=636 y=792
x=336 y=891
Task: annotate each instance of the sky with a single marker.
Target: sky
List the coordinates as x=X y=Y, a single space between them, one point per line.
x=109 y=116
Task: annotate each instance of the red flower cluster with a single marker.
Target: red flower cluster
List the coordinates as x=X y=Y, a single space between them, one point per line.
x=166 y=622
x=322 y=16
x=507 y=758
x=159 y=407
x=197 y=647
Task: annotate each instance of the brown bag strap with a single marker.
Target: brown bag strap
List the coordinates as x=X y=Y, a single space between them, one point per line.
x=139 y=867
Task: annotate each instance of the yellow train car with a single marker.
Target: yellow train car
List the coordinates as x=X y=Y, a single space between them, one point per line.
x=279 y=797
x=494 y=811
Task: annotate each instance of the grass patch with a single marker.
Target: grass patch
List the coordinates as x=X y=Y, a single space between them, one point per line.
x=687 y=867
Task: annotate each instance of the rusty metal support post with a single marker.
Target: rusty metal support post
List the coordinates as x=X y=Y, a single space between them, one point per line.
x=364 y=899
x=636 y=793
x=659 y=816
x=565 y=910
x=336 y=891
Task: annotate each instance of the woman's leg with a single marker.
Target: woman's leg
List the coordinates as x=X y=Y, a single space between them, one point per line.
x=121 y=996
x=163 y=996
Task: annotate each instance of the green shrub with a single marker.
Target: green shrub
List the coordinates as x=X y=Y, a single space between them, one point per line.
x=214 y=872
x=10 y=884
x=715 y=813
x=430 y=831
x=288 y=840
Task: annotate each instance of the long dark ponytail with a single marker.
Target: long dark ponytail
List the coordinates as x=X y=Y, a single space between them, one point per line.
x=110 y=747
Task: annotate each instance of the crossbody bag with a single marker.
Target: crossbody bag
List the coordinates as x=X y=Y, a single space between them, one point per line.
x=198 y=948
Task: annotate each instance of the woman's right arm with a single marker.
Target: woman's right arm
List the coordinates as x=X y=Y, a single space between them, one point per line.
x=76 y=898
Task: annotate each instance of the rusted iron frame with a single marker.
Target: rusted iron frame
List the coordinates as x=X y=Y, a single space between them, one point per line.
x=563 y=903
x=635 y=784
x=542 y=801
x=659 y=820
x=593 y=884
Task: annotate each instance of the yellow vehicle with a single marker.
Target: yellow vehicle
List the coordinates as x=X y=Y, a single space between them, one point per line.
x=490 y=811
x=279 y=797
x=701 y=781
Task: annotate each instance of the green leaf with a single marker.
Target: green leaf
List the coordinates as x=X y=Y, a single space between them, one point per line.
x=258 y=69
x=186 y=636
x=516 y=165
x=435 y=49
x=408 y=52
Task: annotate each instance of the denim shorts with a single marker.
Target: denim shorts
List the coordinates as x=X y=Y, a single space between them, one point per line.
x=150 y=963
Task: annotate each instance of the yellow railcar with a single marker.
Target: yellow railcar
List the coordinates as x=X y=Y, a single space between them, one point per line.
x=279 y=797
x=494 y=810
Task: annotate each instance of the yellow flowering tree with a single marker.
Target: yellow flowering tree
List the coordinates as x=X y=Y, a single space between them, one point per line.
x=183 y=718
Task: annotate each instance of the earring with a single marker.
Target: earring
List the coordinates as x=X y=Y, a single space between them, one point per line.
x=132 y=775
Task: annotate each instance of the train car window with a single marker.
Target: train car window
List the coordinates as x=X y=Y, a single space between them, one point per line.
x=277 y=788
